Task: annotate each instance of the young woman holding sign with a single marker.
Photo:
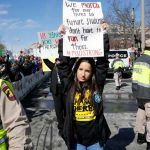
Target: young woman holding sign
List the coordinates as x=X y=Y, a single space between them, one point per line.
x=85 y=127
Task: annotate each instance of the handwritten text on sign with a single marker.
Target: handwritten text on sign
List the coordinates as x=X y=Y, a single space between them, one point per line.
x=49 y=41
x=84 y=37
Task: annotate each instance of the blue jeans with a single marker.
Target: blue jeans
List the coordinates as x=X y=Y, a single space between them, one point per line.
x=95 y=146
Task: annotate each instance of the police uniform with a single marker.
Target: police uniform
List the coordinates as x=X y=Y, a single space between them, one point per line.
x=141 y=91
x=117 y=65
x=13 y=121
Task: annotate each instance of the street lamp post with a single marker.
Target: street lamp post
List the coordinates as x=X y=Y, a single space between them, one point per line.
x=133 y=20
x=142 y=25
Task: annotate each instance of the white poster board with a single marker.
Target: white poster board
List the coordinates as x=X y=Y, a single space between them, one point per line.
x=49 y=41
x=84 y=36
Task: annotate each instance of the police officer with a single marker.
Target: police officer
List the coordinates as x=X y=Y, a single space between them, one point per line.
x=14 y=126
x=117 y=65
x=141 y=91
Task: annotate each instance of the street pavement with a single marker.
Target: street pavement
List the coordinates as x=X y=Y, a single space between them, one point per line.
x=119 y=107
x=120 y=111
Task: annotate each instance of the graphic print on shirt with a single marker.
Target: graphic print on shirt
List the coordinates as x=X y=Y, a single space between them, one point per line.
x=83 y=109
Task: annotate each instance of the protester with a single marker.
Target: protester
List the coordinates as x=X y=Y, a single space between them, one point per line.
x=29 y=64
x=85 y=125
x=4 y=67
x=15 y=72
x=21 y=58
x=117 y=66
x=15 y=130
x=141 y=91
x=57 y=93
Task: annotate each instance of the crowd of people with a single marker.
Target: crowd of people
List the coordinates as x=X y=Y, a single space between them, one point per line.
x=17 y=69
x=77 y=86
x=15 y=130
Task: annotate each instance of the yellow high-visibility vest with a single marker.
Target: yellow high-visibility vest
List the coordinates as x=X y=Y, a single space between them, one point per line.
x=8 y=83
x=118 y=64
x=3 y=140
x=141 y=73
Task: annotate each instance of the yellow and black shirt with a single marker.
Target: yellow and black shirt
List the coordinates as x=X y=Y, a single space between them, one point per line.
x=85 y=119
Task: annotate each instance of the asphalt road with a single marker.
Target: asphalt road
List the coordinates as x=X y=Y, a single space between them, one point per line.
x=119 y=107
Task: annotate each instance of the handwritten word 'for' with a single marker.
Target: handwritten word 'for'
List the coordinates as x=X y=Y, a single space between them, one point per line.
x=75 y=38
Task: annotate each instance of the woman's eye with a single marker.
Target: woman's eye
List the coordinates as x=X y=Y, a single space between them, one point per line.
x=87 y=71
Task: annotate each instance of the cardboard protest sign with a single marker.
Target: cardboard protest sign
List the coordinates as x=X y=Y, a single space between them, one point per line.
x=84 y=36
x=49 y=41
x=44 y=66
x=46 y=52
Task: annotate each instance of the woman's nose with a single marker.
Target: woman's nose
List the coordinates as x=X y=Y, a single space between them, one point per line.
x=83 y=74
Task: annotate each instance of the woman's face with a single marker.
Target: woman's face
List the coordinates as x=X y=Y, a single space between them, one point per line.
x=84 y=72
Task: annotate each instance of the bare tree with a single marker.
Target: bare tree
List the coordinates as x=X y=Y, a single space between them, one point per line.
x=121 y=22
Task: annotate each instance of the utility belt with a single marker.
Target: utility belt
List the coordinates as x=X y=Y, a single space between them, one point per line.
x=3 y=140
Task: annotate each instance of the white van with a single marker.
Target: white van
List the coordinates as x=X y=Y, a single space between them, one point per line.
x=126 y=55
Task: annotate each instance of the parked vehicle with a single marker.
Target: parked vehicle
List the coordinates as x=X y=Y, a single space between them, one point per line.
x=127 y=57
